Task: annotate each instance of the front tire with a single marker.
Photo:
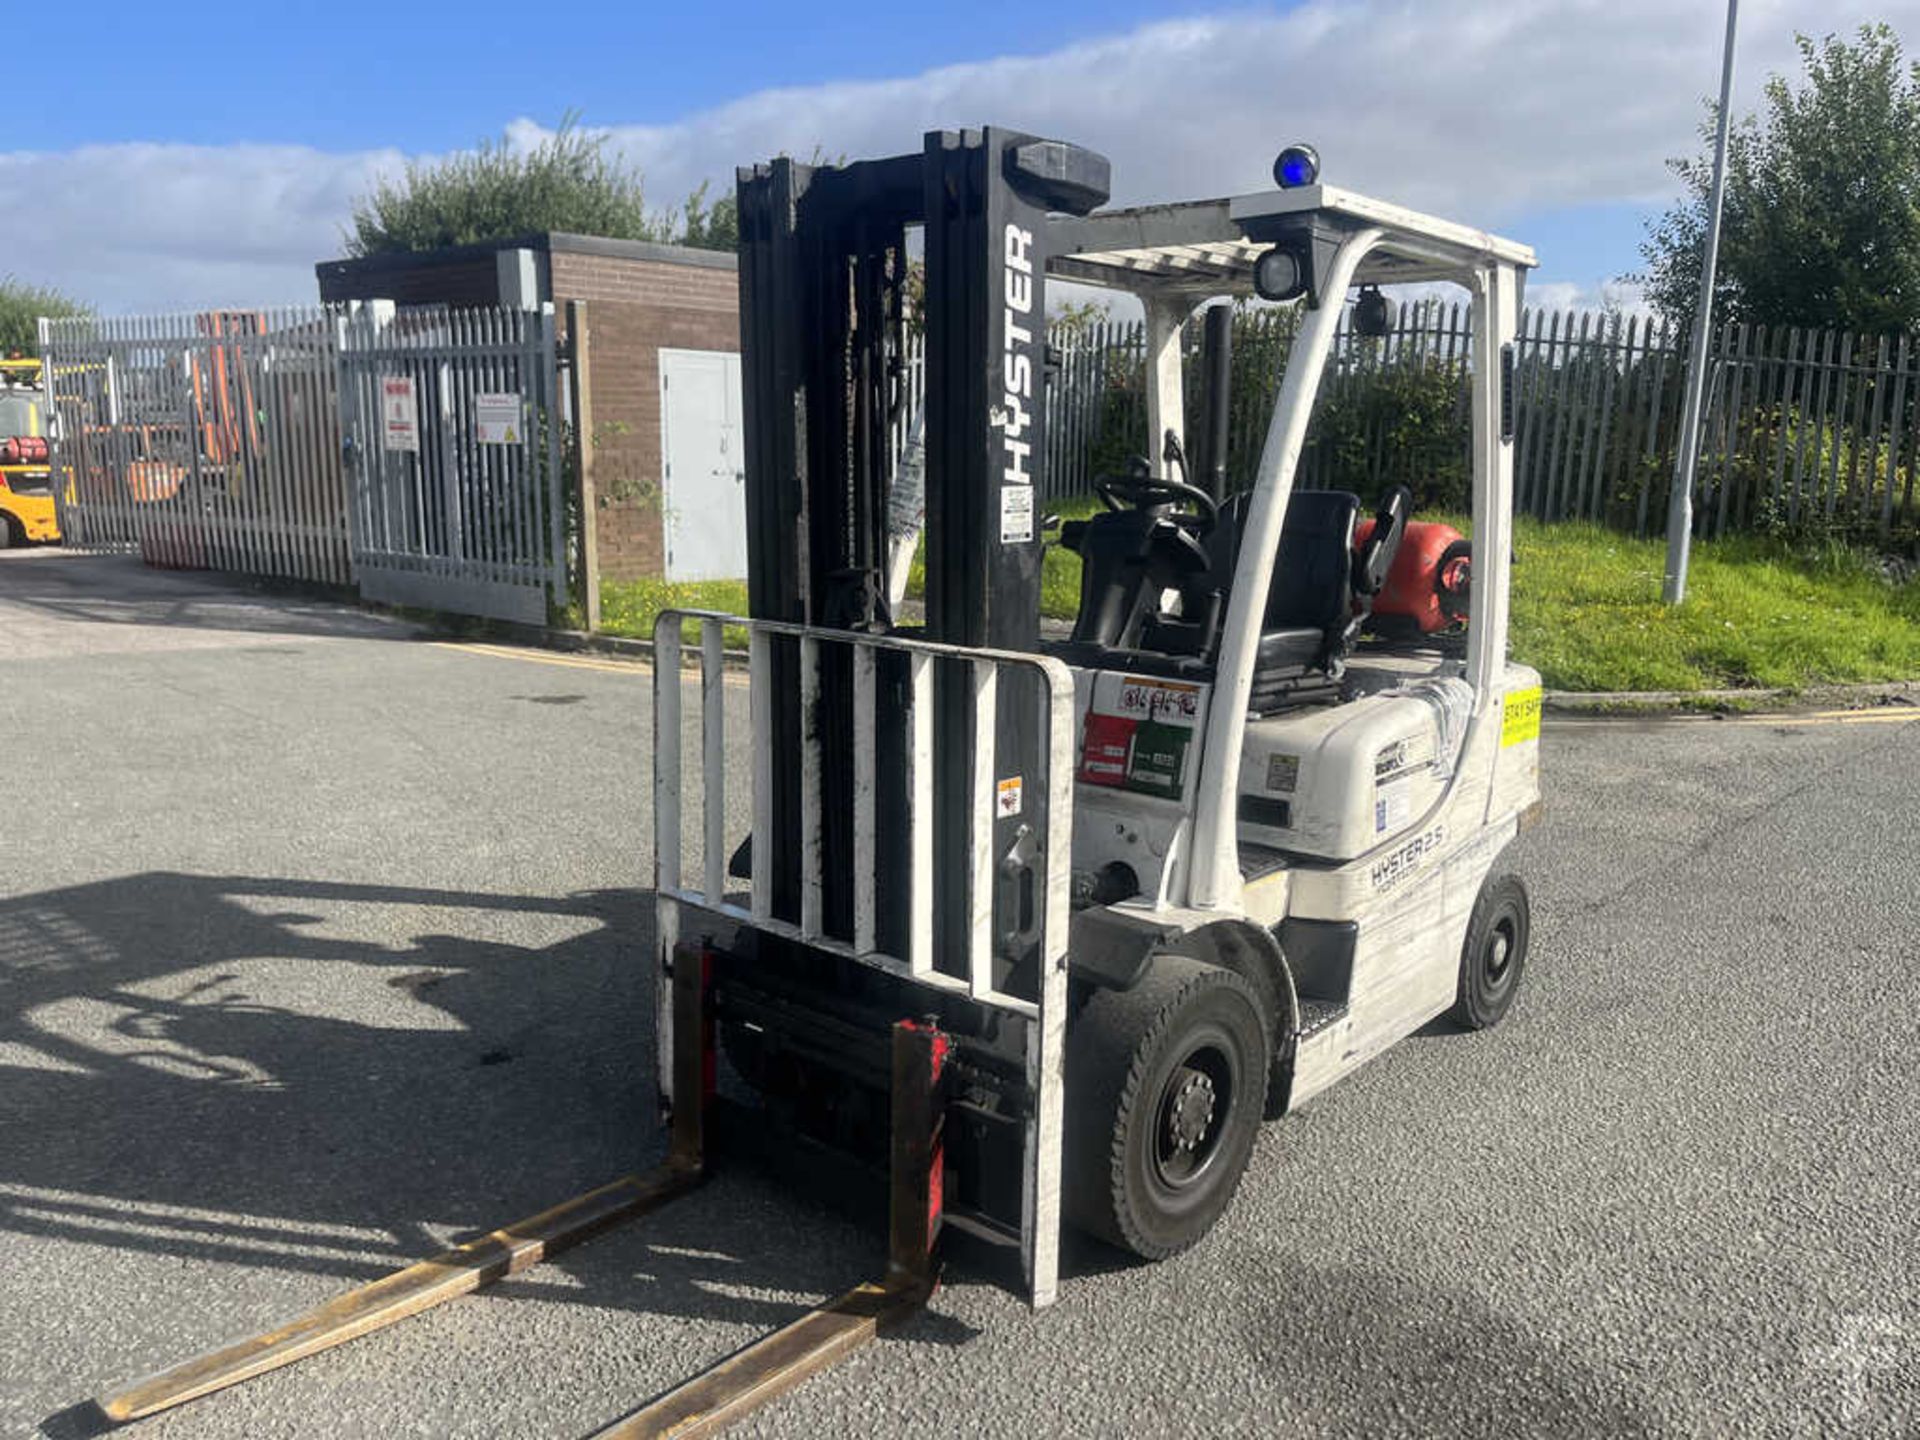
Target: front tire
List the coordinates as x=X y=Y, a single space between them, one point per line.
x=1495 y=953
x=1165 y=1087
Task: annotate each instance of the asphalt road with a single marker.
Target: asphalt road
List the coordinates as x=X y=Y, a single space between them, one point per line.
x=322 y=944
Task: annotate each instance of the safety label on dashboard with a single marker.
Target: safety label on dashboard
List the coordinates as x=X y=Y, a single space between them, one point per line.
x=1168 y=701
x=1145 y=746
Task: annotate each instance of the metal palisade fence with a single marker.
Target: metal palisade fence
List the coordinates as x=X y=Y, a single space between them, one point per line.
x=453 y=451
x=201 y=440
x=414 y=453
x=1800 y=425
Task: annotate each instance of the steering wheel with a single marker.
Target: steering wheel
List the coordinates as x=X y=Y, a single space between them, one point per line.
x=1143 y=491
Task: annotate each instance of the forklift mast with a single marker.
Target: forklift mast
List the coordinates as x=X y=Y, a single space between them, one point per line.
x=826 y=300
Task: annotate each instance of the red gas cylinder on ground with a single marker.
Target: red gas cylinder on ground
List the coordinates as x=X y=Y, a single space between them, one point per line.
x=1429 y=581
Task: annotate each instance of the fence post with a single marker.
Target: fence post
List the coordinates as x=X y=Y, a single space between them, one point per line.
x=548 y=368
x=580 y=386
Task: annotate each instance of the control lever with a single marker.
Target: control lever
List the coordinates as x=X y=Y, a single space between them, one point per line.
x=1173 y=453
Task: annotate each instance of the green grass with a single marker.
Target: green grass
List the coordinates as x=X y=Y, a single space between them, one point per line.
x=1059 y=568
x=630 y=607
x=1587 y=614
x=1586 y=611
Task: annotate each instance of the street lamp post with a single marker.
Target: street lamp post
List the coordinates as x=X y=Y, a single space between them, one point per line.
x=1680 y=510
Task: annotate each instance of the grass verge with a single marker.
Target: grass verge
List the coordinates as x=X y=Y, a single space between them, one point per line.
x=630 y=607
x=1759 y=613
x=1586 y=611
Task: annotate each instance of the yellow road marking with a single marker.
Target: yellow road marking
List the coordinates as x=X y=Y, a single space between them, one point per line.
x=543 y=657
x=1892 y=716
x=1900 y=716
x=575 y=662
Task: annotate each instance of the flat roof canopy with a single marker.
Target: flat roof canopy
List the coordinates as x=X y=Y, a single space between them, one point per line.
x=1201 y=246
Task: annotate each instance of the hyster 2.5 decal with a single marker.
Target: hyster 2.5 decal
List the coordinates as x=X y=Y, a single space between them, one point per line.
x=1402 y=862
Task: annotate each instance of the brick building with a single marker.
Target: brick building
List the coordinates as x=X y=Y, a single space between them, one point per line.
x=642 y=298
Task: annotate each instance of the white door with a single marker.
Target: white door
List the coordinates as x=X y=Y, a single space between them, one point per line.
x=703 y=478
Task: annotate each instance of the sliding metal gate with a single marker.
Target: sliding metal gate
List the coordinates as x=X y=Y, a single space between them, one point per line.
x=452 y=441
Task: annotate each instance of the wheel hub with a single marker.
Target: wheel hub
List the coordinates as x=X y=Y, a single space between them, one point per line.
x=1498 y=953
x=1190 y=1116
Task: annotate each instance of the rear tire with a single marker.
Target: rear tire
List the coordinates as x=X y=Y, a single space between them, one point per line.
x=1165 y=1087
x=1495 y=953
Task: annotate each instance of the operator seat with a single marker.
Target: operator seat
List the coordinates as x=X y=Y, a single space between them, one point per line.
x=1320 y=591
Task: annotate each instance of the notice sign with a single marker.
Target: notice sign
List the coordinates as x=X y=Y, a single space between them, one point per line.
x=1016 y=514
x=496 y=418
x=399 y=413
x=1520 y=719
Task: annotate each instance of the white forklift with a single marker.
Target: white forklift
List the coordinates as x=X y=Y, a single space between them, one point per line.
x=1190 y=864
x=1040 y=929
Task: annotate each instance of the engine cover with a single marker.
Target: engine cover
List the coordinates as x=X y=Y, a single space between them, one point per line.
x=1332 y=782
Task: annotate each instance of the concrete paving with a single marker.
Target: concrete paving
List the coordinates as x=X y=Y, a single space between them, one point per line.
x=322 y=944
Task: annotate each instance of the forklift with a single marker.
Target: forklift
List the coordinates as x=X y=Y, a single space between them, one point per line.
x=1041 y=927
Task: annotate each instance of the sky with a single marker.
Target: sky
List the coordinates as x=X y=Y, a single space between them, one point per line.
x=158 y=158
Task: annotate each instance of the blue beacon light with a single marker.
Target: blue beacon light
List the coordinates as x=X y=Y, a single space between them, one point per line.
x=1296 y=166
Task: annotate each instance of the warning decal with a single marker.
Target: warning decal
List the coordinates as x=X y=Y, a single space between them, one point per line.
x=1392 y=808
x=1007 y=798
x=496 y=418
x=1521 y=720
x=1016 y=514
x=1145 y=746
x=399 y=413
x=1283 y=772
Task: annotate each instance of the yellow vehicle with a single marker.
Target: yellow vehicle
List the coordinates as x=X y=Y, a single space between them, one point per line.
x=26 y=477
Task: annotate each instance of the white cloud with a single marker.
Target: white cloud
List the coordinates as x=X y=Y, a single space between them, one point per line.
x=1624 y=296
x=146 y=226
x=1481 y=109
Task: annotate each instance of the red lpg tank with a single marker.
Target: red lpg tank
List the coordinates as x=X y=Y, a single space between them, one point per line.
x=24 y=450
x=1430 y=579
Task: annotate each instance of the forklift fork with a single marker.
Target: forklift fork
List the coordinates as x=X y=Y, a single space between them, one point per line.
x=738 y=1384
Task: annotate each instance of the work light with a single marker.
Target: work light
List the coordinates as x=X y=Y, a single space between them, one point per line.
x=1280 y=274
x=1372 y=312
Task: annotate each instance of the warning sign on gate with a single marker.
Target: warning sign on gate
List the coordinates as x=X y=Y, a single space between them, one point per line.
x=399 y=413
x=496 y=418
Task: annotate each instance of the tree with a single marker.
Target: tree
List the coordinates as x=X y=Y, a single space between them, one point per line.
x=1822 y=215
x=21 y=305
x=710 y=227
x=567 y=182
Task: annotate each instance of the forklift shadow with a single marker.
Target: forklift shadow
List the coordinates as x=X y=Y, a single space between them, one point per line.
x=330 y=1079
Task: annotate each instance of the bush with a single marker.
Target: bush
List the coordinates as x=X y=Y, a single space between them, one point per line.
x=21 y=306
x=567 y=182
x=1404 y=423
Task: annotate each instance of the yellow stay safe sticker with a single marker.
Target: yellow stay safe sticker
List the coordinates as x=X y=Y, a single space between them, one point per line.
x=1521 y=718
